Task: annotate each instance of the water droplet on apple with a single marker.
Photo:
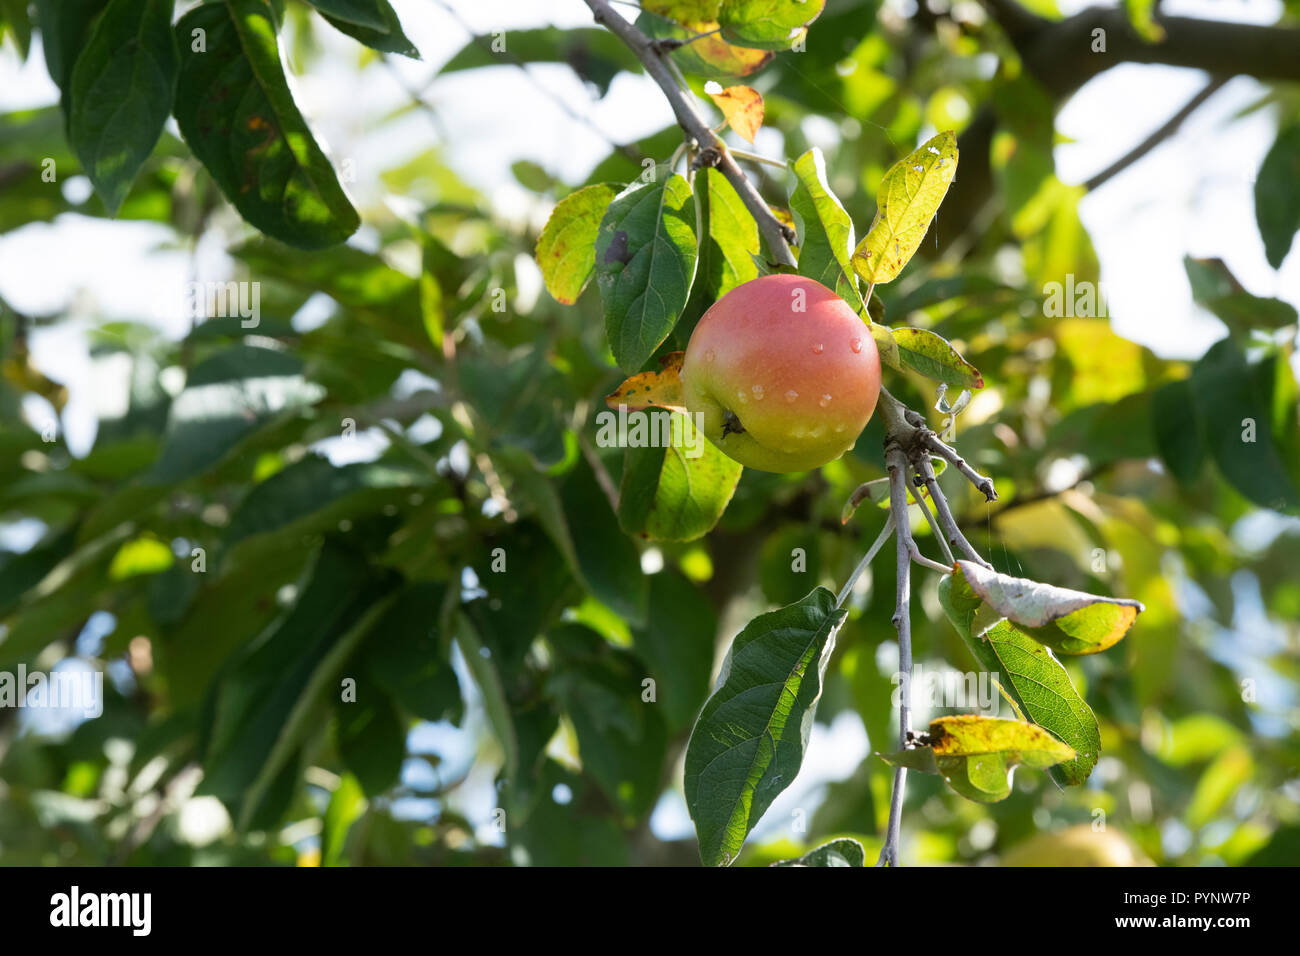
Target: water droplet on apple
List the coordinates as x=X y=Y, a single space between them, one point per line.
x=826 y=400
x=741 y=396
x=758 y=393
x=791 y=395
x=856 y=345
x=818 y=348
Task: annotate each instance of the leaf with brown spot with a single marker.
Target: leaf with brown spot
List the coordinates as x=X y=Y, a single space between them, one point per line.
x=566 y=249
x=742 y=107
x=1067 y=621
x=711 y=56
x=256 y=145
x=975 y=755
x=662 y=388
x=906 y=203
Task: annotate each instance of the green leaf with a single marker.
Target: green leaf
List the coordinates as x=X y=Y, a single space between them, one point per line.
x=842 y=852
x=683 y=11
x=676 y=493
x=13 y=13
x=1216 y=288
x=21 y=573
x=236 y=112
x=520 y=399
x=226 y=398
x=566 y=834
x=1233 y=399
x=1277 y=196
x=749 y=741
x=1177 y=431
x=527 y=582
x=566 y=249
x=1141 y=16
x=923 y=351
x=906 y=201
x=711 y=56
x=142 y=555
x=246 y=596
x=387 y=36
x=767 y=24
x=825 y=230
x=645 y=263
x=522 y=727
x=609 y=561
x=260 y=710
x=676 y=644
x=732 y=239
x=1030 y=674
x=371 y=739
x=347 y=804
x=363 y=13
x=621 y=736
x=121 y=94
x=312 y=495
x=386 y=299
x=65 y=27
x=790 y=564
x=1225 y=775
x=408 y=658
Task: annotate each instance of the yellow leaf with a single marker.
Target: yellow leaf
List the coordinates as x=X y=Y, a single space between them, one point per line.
x=742 y=107
x=906 y=202
x=662 y=388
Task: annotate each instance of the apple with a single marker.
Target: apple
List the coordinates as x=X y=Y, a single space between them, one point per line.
x=783 y=372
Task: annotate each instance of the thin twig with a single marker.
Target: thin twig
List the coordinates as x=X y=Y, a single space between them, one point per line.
x=773 y=230
x=627 y=149
x=1159 y=136
x=896 y=462
x=867 y=558
x=678 y=44
x=756 y=158
x=949 y=454
x=951 y=532
x=934 y=527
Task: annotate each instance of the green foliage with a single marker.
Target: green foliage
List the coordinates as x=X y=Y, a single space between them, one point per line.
x=645 y=264
x=1277 y=209
x=366 y=563
x=566 y=249
x=836 y=853
x=750 y=737
x=825 y=232
x=237 y=114
x=120 y=93
x=372 y=22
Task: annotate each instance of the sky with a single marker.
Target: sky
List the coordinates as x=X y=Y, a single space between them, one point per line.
x=1191 y=195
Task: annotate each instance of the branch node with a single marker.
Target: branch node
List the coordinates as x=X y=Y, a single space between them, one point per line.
x=708 y=156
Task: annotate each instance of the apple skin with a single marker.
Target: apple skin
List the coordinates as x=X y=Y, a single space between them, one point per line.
x=801 y=384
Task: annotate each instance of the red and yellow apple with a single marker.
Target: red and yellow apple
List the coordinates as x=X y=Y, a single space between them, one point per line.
x=783 y=372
